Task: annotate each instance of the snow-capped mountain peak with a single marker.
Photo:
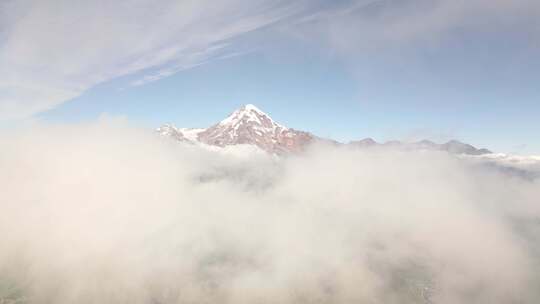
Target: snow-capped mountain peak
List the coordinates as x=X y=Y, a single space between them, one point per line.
x=247 y=125
x=251 y=114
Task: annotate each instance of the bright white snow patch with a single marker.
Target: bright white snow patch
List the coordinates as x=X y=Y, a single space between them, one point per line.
x=250 y=113
x=191 y=133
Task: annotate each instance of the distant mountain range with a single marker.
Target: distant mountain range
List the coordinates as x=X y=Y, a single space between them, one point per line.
x=251 y=126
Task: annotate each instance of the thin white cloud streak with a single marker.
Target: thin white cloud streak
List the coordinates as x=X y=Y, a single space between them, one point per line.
x=386 y=24
x=51 y=51
x=194 y=60
x=116 y=215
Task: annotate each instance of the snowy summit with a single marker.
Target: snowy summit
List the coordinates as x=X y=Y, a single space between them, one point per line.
x=247 y=125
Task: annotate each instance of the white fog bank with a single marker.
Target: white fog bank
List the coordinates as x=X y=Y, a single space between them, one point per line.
x=108 y=213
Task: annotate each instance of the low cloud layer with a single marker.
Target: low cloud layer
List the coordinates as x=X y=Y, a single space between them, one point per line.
x=108 y=213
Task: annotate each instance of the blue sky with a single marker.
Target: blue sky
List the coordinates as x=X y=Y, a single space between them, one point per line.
x=392 y=69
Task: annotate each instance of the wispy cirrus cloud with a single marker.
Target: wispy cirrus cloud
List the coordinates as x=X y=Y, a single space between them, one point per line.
x=367 y=24
x=52 y=51
x=432 y=53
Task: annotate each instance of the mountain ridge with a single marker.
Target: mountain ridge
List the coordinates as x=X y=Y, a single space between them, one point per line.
x=249 y=125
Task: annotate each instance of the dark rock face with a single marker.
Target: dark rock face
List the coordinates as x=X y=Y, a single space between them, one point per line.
x=457 y=147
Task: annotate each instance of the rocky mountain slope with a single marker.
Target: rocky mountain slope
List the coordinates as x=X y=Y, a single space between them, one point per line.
x=247 y=125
